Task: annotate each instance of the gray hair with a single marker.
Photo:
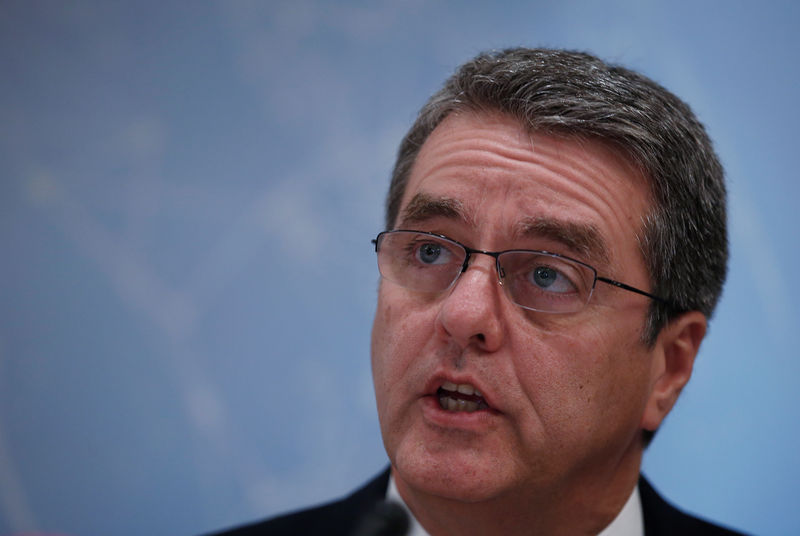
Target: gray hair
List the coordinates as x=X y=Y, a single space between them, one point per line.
x=684 y=237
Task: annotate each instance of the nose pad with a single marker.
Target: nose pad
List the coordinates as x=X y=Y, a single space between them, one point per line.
x=501 y=273
x=472 y=264
x=473 y=255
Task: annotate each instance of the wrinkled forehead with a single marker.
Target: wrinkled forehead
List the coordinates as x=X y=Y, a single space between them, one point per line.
x=512 y=137
x=484 y=139
x=482 y=170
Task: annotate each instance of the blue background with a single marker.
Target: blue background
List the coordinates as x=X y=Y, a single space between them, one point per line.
x=187 y=194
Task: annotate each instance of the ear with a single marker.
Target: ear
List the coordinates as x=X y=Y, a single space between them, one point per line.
x=673 y=360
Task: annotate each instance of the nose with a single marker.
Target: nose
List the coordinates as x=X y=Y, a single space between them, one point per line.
x=471 y=313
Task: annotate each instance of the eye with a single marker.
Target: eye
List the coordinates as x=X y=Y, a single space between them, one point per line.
x=551 y=280
x=433 y=253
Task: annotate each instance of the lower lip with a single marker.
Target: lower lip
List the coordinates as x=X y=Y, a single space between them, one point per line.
x=466 y=420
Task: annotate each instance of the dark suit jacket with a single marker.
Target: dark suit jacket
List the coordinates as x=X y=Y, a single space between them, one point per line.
x=342 y=517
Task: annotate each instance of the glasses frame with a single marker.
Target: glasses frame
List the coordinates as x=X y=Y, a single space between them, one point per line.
x=500 y=273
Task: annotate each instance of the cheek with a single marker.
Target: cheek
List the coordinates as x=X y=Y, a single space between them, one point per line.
x=611 y=385
x=577 y=379
x=400 y=333
x=398 y=330
x=554 y=380
x=381 y=342
x=380 y=356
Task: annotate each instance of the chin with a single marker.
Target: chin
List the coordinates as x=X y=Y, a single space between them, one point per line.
x=467 y=477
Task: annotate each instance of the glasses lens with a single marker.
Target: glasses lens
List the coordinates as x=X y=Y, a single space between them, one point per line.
x=419 y=261
x=545 y=282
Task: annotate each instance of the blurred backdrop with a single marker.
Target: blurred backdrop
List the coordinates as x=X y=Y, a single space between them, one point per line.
x=187 y=196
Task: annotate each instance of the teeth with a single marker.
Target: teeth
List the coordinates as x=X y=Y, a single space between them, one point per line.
x=452 y=404
x=466 y=389
x=456 y=403
x=463 y=388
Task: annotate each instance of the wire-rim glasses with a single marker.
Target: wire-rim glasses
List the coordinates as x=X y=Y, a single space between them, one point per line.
x=535 y=280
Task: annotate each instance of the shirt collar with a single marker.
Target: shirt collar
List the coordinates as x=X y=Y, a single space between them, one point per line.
x=629 y=521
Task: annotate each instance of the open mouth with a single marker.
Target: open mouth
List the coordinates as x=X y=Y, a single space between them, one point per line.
x=460 y=397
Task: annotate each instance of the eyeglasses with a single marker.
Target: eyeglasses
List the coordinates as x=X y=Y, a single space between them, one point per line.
x=535 y=280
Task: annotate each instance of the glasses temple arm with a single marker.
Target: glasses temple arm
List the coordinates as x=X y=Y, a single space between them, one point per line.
x=634 y=289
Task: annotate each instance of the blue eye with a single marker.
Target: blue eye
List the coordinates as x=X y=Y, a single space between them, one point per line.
x=544 y=277
x=432 y=253
x=552 y=280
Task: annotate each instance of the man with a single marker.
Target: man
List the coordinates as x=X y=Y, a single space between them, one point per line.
x=555 y=244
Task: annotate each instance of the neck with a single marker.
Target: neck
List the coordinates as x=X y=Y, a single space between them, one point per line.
x=584 y=504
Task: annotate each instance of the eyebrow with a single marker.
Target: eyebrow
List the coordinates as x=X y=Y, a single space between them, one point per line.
x=581 y=238
x=424 y=207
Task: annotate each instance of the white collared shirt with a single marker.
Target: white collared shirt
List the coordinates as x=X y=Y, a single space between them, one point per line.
x=629 y=521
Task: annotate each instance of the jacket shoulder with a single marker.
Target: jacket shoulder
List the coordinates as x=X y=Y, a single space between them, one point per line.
x=663 y=519
x=335 y=518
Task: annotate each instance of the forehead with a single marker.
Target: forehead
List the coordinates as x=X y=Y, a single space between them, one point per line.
x=485 y=173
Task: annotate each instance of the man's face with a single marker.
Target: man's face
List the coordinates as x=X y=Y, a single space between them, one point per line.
x=565 y=392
